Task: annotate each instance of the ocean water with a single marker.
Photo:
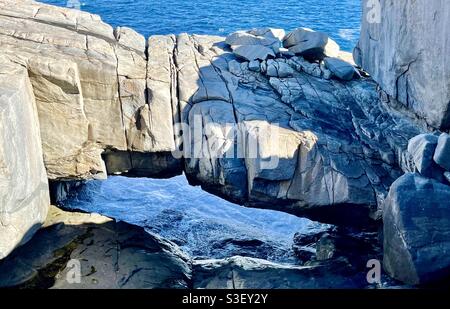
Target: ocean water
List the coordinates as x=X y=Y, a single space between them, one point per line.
x=339 y=18
x=202 y=224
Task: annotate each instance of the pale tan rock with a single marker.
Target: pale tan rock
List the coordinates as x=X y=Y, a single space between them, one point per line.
x=338 y=145
x=73 y=61
x=129 y=38
x=68 y=152
x=24 y=198
x=132 y=74
x=161 y=86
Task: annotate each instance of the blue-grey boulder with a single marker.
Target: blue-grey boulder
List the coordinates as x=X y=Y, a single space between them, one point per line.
x=421 y=148
x=278 y=69
x=417 y=230
x=442 y=152
x=340 y=68
x=310 y=44
x=253 y=52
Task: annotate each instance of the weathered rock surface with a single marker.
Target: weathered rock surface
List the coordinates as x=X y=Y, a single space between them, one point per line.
x=349 y=159
x=269 y=33
x=258 y=40
x=417 y=230
x=279 y=69
x=442 y=153
x=24 y=198
x=110 y=255
x=245 y=38
x=254 y=66
x=274 y=133
x=90 y=85
x=403 y=47
x=108 y=105
x=332 y=243
x=422 y=148
x=340 y=68
x=72 y=73
x=249 y=273
x=310 y=44
x=447 y=176
x=253 y=52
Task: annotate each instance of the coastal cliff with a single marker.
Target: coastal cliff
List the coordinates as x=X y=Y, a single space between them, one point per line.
x=404 y=46
x=106 y=101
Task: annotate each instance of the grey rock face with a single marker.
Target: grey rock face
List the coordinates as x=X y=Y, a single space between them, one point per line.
x=112 y=255
x=253 y=38
x=249 y=273
x=125 y=102
x=254 y=66
x=24 y=198
x=311 y=44
x=404 y=51
x=417 y=230
x=265 y=38
x=422 y=148
x=331 y=242
x=442 y=152
x=269 y=33
x=156 y=131
x=278 y=69
x=207 y=163
x=341 y=69
x=349 y=159
x=83 y=73
x=302 y=65
x=447 y=176
x=253 y=52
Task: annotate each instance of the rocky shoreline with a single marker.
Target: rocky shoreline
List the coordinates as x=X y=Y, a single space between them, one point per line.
x=80 y=100
x=117 y=255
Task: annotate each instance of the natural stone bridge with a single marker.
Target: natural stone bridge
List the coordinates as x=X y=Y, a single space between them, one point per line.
x=106 y=101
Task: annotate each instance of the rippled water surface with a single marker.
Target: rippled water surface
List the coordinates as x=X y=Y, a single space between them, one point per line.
x=202 y=224
x=339 y=18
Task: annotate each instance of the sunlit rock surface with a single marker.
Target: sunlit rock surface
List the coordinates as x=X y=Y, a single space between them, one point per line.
x=24 y=196
x=325 y=148
x=404 y=46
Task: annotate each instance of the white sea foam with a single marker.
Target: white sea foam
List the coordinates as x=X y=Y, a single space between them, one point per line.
x=202 y=224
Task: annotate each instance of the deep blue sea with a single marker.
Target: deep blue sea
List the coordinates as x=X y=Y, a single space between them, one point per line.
x=339 y=18
x=202 y=224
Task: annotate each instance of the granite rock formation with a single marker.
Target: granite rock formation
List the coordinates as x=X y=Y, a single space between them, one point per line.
x=24 y=196
x=261 y=118
x=108 y=104
x=404 y=46
x=417 y=230
x=416 y=215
